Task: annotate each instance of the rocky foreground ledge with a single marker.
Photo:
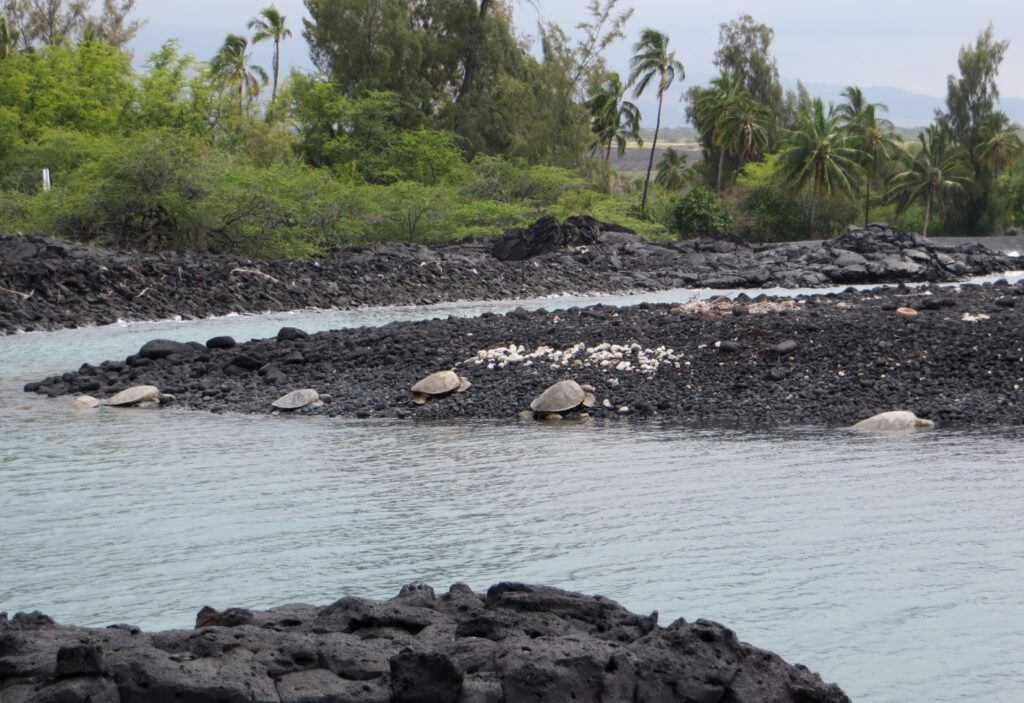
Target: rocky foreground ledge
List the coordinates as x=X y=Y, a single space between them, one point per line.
x=515 y=644
x=50 y=284
x=951 y=355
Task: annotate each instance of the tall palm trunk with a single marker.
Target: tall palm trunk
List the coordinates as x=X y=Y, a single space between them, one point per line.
x=721 y=164
x=277 y=68
x=867 y=181
x=654 y=145
x=927 y=214
x=608 y=153
x=814 y=202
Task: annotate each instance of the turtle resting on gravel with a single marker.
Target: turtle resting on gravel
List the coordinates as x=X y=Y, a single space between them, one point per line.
x=303 y=398
x=437 y=385
x=140 y=396
x=894 y=421
x=561 y=398
x=85 y=402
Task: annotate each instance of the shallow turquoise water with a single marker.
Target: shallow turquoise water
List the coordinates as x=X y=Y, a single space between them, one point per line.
x=890 y=564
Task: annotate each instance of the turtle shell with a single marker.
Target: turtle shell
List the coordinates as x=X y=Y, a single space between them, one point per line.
x=438 y=383
x=895 y=420
x=297 y=399
x=135 y=395
x=563 y=396
x=84 y=402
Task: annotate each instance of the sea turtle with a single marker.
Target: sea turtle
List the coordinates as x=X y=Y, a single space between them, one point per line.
x=438 y=384
x=85 y=402
x=563 y=397
x=140 y=395
x=303 y=398
x=894 y=421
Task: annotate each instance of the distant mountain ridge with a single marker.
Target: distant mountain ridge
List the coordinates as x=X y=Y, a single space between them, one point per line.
x=906 y=109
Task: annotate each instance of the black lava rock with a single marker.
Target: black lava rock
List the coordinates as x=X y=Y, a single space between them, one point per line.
x=515 y=643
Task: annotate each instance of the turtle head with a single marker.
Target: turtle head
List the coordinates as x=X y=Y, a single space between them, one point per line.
x=165 y=398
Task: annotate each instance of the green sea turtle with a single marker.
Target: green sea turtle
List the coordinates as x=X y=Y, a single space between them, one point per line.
x=302 y=398
x=438 y=384
x=139 y=395
x=563 y=397
x=894 y=421
x=85 y=402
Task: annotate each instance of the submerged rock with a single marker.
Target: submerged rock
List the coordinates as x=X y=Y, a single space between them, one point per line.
x=515 y=643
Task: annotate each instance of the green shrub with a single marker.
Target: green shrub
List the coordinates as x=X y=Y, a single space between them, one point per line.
x=698 y=213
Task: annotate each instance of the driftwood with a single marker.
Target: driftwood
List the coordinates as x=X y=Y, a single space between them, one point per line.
x=255 y=272
x=23 y=296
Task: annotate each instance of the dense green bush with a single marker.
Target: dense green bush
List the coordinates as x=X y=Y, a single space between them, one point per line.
x=698 y=213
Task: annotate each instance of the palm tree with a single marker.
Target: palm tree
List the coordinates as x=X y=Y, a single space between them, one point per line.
x=872 y=135
x=270 y=24
x=231 y=66
x=817 y=153
x=711 y=105
x=1000 y=145
x=651 y=58
x=672 y=173
x=613 y=120
x=744 y=127
x=938 y=168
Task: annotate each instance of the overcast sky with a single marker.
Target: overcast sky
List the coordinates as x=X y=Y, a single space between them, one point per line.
x=898 y=43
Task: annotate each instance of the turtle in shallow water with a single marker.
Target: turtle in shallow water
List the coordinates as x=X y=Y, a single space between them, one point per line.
x=139 y=396
x=302 y=398
x=561 y=398
x=438 y=384
x=85 y=402
x=896 y=420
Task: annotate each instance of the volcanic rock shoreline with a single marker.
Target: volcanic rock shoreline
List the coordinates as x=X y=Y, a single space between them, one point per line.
x=514 y=644
x=952 y=355
x=50 y=284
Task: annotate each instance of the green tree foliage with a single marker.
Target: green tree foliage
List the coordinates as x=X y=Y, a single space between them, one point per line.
x=939 y=168
x=1000 y=145
x=271 y=25
x=367 y=45
x=84 y=87
x=872 y=135
x=818 y=154
x=113 y=25
x=652 y=59
x=604 y=26
x=232 y=67
x=38 y=23
x=745 y=128
x=745 y=50
x=613 y=119
x=672 y=173
x=698 y=213
x=970 y=101
x=707 y=108
x=173 y=93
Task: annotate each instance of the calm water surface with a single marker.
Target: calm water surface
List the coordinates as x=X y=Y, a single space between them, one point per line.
x=891 y=564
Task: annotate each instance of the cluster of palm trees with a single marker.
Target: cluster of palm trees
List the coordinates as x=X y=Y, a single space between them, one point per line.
x=833 y=151
x=232 y=66
x=736 y=123
x=615 y=120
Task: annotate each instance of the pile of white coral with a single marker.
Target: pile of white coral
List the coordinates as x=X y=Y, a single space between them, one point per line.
x=620 y=358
